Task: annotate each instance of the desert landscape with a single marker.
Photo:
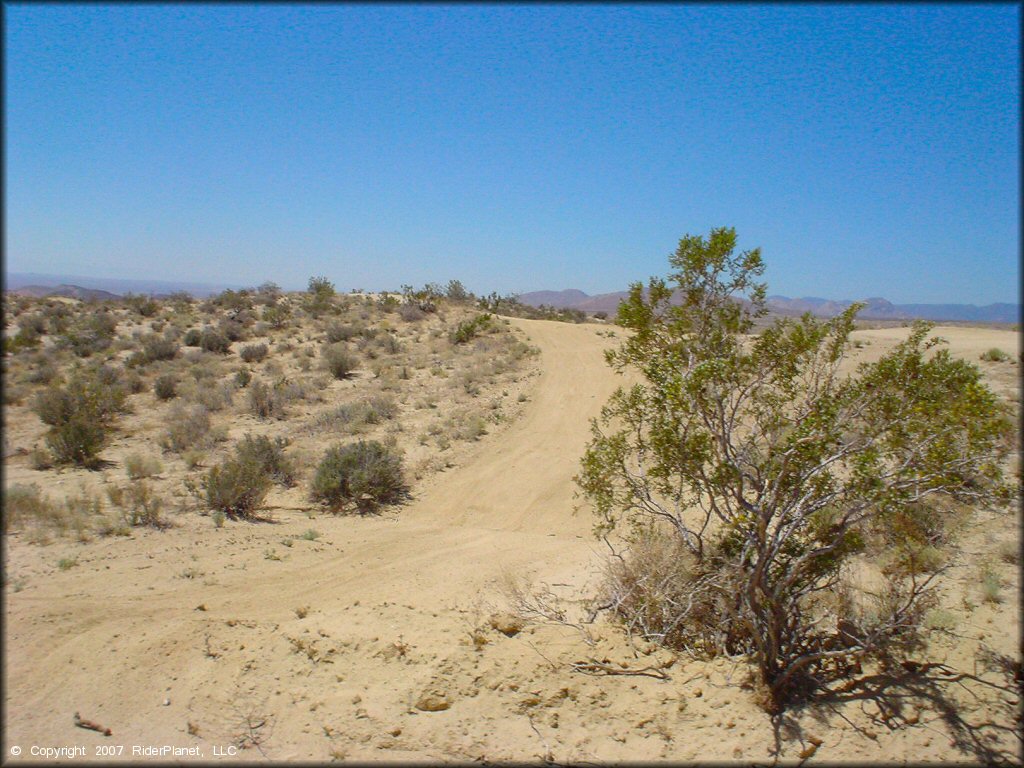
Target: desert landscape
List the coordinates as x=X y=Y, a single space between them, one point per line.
x=454 y=620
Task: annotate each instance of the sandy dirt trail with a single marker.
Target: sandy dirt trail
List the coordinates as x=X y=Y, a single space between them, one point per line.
x=98 y=638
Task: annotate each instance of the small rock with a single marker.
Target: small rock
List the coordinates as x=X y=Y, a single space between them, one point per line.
x=167 y=702
x=357 y=699
x=698 y=693
x=433 y=702
x=396 y=731
x=507 y=624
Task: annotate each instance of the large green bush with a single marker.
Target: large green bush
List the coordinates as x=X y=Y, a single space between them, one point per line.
x=361 y=475
x=778 y=477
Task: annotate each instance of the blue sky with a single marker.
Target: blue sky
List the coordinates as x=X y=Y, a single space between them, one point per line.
x=869 y=150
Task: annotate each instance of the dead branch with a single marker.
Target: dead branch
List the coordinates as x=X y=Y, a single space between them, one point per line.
x=594 y=667
x=91 y=726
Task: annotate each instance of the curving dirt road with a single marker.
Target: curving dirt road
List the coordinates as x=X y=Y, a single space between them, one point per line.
x=124 y=631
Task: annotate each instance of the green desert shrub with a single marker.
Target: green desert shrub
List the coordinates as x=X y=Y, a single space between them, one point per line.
x=253 y=353
x=363 y=475
x=143 y=305
x=156 y=347
x=76 y=441
x=26 y=338
x=166 y=387
x=470 y=329
x=243 y=377
x=236 y=487
x=338 y=361
x=34 y=324
x=277 y=316
x=193 y=337
x=58 y=317
x=269 y=456
x=80 y=413
x=994 y=355
x=214 y=341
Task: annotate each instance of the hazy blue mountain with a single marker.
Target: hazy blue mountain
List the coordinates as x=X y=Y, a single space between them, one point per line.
x=15 y=280
x=877 y=308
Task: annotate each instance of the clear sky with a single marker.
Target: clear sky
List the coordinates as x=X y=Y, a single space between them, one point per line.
x=869 y=150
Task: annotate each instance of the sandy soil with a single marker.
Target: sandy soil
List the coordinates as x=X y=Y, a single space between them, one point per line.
x=375 y=640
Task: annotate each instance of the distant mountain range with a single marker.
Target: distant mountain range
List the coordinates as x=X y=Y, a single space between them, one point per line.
x=68 y=291
x=876 y=309
x=67 y=285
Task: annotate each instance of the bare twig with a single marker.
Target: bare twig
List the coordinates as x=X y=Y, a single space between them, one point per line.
x=593 y=667
x=91 y=726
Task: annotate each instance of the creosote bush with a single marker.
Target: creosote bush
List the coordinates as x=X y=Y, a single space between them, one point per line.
x=362 y=475
x=80 y=414
x=235 y=489
x=238 y=486
x=774 y=474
